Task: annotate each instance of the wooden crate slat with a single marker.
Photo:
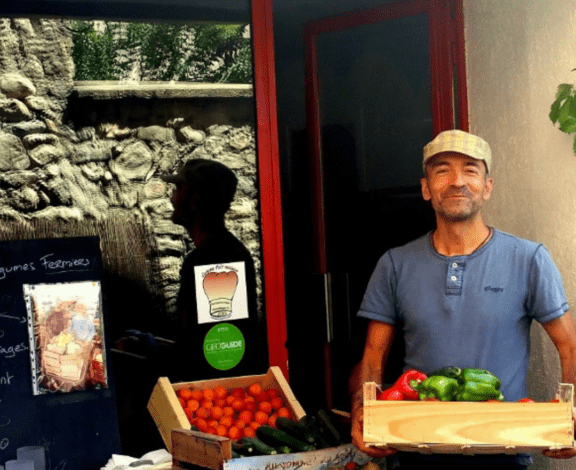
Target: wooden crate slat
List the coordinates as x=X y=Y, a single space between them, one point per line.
x=201 y=449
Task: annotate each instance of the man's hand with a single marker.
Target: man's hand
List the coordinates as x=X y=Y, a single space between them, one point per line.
x=357 y=416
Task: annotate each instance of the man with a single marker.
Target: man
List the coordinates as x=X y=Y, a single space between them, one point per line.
x=463 y=295
x=204 y=192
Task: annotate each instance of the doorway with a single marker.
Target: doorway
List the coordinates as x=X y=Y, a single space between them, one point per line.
x=380 y=84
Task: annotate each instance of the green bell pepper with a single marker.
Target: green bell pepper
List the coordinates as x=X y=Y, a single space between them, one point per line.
x=452 y=372
x=439 y=387
x=479 y=385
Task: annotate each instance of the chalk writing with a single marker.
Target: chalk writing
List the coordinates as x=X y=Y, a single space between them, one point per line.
x=63 y=264
x=11 y=351
x=11 y=317
x=5 y=270
x=6 y=380
x=4 y=443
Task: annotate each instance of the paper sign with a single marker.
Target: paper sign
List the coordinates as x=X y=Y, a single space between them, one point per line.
x=221 y=292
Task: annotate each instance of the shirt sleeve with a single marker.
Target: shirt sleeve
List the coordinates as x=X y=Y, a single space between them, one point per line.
x=379 y=300
x=547 y=300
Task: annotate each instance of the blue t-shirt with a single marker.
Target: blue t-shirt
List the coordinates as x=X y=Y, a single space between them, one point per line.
x=468 y=311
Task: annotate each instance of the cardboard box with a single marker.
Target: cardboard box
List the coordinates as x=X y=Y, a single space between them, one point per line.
x=168 y=414
x=469 y=427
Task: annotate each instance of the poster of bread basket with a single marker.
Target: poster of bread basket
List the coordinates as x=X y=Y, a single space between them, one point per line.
x=66 y=331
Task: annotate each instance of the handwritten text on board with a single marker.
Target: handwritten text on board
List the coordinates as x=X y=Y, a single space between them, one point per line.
x=47 y=263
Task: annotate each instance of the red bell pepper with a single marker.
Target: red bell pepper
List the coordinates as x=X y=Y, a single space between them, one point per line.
x=390 y=394
x=408 y=382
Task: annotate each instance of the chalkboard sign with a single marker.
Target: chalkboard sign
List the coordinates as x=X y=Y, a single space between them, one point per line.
x=56 y=388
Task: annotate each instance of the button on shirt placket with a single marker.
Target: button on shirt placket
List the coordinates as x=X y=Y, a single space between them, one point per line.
x=454 y=277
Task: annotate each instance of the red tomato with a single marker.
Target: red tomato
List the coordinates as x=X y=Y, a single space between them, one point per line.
x=525 y=400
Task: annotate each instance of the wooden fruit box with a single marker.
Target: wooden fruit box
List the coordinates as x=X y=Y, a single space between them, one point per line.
x=205 y=450
x=468 y=427
x=168 y=413
x=190 y=449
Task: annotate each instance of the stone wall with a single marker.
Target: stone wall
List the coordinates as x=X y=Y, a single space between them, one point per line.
x=82 y=151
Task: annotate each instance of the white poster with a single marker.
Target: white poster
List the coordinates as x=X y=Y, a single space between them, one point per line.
x=221 y=292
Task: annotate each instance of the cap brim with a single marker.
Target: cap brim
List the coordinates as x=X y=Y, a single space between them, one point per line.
x=176 y=178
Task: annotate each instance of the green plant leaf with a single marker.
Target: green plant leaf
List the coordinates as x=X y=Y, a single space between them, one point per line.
x=564 y=91
x=554 y=111
x=568 y=125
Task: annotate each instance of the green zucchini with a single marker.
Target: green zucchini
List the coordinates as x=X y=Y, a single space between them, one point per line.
x=311 y=423
x=276 y=438
x=243 y=448
x=295 y=429
x=284 y=450
x=328 y=429
x=260 y=447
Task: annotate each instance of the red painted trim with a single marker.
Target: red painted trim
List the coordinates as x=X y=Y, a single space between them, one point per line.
x=460 y=58
x=440 y=65
x=315 y=149
x=368 y=16
x=269 y=178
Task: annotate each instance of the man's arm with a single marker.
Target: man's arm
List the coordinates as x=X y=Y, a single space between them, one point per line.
x=562 y=332
x=379 y=340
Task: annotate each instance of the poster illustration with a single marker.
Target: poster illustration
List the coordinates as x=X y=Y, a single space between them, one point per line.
x=221 y=292
x=66 y=336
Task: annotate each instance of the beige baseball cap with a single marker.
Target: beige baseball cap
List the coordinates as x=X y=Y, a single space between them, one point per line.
x=461 y=142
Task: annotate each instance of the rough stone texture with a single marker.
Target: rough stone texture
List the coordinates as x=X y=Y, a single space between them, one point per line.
x=12 y=153
x=14 y=110
x=15 y=85
x=116 y=143
x=133 y=163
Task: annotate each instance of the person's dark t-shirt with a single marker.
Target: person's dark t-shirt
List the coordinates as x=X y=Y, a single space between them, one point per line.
x=191 y=363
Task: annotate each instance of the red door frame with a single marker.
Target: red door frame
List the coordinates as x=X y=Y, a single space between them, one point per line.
x=269 y=177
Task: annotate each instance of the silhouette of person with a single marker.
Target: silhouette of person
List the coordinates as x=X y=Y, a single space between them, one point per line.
x=204 y=192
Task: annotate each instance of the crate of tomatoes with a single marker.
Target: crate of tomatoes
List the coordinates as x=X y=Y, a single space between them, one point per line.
x=252 y=420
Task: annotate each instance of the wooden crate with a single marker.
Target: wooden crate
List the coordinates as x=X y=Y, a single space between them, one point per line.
x=468 y=427
x=168 y=414
x=193 y=448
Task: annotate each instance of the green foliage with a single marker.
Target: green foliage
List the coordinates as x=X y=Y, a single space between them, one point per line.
x=563 y=110
x=181 y=52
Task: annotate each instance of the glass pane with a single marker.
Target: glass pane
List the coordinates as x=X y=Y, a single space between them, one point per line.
x=375 y=82
x=92 y=116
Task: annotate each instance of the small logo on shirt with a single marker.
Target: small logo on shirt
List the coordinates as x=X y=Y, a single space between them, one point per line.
x=494 y=289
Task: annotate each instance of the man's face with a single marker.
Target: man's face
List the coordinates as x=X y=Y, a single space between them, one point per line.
x=456 y=185
x=183 y=213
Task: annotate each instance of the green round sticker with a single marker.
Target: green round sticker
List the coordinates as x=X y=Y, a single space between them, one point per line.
x=224 y=346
